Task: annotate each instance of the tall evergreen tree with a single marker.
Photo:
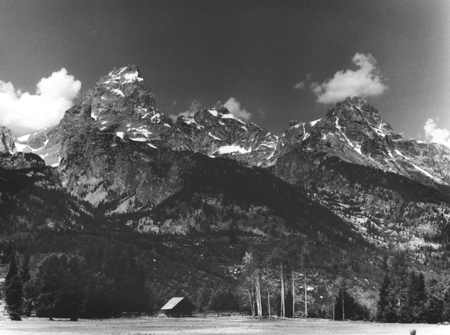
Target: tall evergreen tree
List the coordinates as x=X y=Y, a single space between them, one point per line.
x=417 y=298
x=12 y=271
x=398 y=293
x=25 y=268
x=13 y=290
x=383 y=306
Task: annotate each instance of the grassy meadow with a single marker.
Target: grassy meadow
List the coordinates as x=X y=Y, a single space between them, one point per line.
x=214 y=326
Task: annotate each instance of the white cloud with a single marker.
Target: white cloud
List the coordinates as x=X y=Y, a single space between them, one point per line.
x=234 y=107
x=364 y=82
x=302 y=85
x=194 y=107
x=54 y=95
x=435 y=134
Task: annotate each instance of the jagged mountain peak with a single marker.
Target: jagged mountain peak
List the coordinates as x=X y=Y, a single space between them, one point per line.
x=355 y=132
x=124 y=75
x=103 y=146
x=358 y=110
x=121 y=92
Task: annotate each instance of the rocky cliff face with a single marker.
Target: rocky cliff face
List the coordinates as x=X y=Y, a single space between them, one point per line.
x=6 y=141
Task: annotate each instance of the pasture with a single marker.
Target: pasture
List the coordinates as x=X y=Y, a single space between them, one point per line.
x=214 y=326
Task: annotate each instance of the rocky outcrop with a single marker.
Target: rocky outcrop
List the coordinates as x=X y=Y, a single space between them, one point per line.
x=6 y=141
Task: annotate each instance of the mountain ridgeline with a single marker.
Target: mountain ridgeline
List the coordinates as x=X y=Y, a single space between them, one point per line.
x=118 y=152
x=115 y=166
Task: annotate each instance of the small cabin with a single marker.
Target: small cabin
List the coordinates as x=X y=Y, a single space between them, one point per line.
x=178 y=307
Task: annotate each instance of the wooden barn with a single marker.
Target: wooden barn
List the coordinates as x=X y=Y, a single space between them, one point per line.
x=178 y=307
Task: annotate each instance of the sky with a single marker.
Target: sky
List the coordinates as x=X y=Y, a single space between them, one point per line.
x=269 y=62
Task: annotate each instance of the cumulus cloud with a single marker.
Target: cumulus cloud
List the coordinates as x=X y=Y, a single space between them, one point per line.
x=364 y=82
x=234 y=107
x=54 y=95
x=435 y=134
x=194 y=107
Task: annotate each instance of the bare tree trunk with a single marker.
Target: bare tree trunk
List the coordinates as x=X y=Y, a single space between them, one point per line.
x=268 y=293
x=343 y=309
x=334 y=307
x=293 y=295
x=251 y=301
x=282 y=292
x=258 y=293
x=306 y=299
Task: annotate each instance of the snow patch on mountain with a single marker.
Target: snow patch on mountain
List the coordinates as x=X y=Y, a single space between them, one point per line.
x=399 y=153
x=118 y=92
x=423 y=171
x=21 y=147
x=24 y=138
x=213 y=112
x=228 y=149
x=131 y=77
x=214 y=137
x=313 y=123
x=231 y=116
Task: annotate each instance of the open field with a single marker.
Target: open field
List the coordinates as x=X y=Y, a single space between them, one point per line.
x=213 y=326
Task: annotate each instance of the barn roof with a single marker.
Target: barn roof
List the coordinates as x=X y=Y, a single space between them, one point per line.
x=172 y=303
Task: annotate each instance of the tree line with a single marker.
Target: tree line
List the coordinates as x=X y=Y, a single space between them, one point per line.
x=405 y=295
x=68 y=285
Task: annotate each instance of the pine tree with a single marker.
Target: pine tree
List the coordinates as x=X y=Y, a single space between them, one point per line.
x=12 y=268
x=13 y=290
x=398 y=293
x=383 y=307
x=25 y=269
x=417 y=298
x=51 y=277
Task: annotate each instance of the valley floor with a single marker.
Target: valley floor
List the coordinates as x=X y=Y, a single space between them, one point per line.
x=216 y=326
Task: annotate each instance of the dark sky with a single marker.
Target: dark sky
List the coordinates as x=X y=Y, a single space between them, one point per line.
x=254 y=51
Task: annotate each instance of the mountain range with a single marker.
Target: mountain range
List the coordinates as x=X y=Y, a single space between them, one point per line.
x=115 y=161
x=117 y=150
